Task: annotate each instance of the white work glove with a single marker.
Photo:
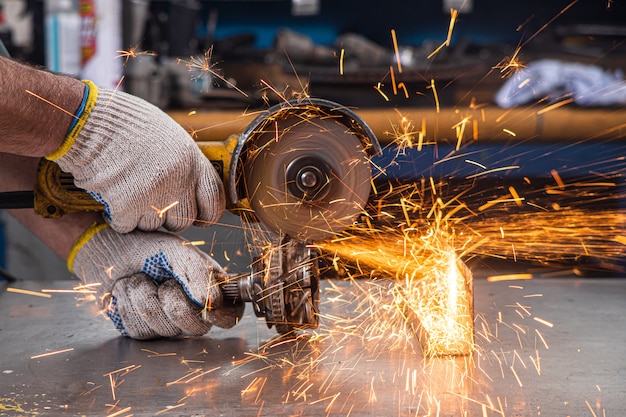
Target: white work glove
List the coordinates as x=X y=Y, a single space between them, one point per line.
x=152 y=284
x=136 y=160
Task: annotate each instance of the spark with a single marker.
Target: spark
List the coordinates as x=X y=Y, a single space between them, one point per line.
x=536 y=363
x=194 y=243
x=545 y=25
x=274 y=90
x=27 y=292
x=153 y=354
x=460 y=131
x=590 y=409
x=56 y=106
x=517 y=378
x=544 y=322
x=515 y=195
x=453 y=16
x=396 y=50
x=161 y=212
x=475 y=163
x=201 y=66
x=380 y=91
x=202 y=374
x=422 y=268
x=509 y=65
x=120 y=412
x=133 y=53
x=123 y=371
x=491 y=171
x=72 y=291
x=42 y=355
x=509 y=277
x=555 y=106
x=341 y=58
x=435 y=95
x=558 y=179
x=170 y=408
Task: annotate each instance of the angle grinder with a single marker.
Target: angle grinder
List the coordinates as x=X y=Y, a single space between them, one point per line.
x=301 y=170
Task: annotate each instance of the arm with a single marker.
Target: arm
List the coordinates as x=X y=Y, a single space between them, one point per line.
x=127 y=153
x=29 y=124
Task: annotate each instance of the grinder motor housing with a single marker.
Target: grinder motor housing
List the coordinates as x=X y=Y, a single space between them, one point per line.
x=301 y=169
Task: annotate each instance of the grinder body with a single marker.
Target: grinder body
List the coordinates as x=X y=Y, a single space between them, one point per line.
x=301 y=170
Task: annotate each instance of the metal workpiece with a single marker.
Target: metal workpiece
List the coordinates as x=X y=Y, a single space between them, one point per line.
x=544 y=347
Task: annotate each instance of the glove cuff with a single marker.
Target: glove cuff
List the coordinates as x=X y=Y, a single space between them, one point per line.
x=93 y=230
x=79 y=120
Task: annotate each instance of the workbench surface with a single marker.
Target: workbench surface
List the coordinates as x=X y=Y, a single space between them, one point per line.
x=544 y=347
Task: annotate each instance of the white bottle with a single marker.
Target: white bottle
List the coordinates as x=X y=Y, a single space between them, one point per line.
x=62 y=36
x=102 y=58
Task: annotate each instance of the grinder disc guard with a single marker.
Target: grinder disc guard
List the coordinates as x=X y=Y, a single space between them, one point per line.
x=306 y=176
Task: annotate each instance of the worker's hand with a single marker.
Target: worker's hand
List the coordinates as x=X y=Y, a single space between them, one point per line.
x=152 y=284
x=137 y=161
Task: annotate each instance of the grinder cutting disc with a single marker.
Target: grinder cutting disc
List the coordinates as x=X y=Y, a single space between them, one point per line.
x=307 y=177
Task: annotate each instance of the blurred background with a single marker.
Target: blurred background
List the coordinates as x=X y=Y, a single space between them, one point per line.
x=232 y=55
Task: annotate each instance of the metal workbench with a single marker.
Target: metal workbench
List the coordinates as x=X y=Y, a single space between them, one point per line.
x=545 y=347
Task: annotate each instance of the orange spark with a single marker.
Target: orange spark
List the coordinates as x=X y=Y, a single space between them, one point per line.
x=42 y=355
x=377 y=88
x=515 y=195
x=169 y=408
x=194 y=243
x=341 y=57
x=27 y=292
x=544 y=322
x=133 y=53
x=509 y=277
x=436 y=96
x=491 y=171
x=120 y=412
x=555 y=106
x=200 y=66
x=56 y=106
x=393 y=81
x=453 y=15
x=162 y=211
x=396 y=50
x=558 y=179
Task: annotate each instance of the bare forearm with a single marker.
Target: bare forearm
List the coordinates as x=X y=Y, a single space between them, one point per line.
x=36 y=108
x=18 y=173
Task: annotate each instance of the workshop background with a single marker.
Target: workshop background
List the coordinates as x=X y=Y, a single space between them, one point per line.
x=293 y=44
x=535 y=177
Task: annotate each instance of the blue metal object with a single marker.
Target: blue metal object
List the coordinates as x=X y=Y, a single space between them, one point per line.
x=533 y=160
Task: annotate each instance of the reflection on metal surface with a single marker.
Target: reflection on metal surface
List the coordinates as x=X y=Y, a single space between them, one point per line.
x=521 y=366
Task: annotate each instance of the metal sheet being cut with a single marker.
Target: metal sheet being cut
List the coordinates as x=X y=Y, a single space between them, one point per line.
x=544 y=347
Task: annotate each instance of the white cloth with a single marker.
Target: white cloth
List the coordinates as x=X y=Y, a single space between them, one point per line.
x=587 y=85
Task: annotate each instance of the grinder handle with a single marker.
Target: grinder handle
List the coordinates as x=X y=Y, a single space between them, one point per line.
x=55 y=193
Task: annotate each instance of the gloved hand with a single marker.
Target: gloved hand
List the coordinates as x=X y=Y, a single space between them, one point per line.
x=136 y=160
x=150 y=284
